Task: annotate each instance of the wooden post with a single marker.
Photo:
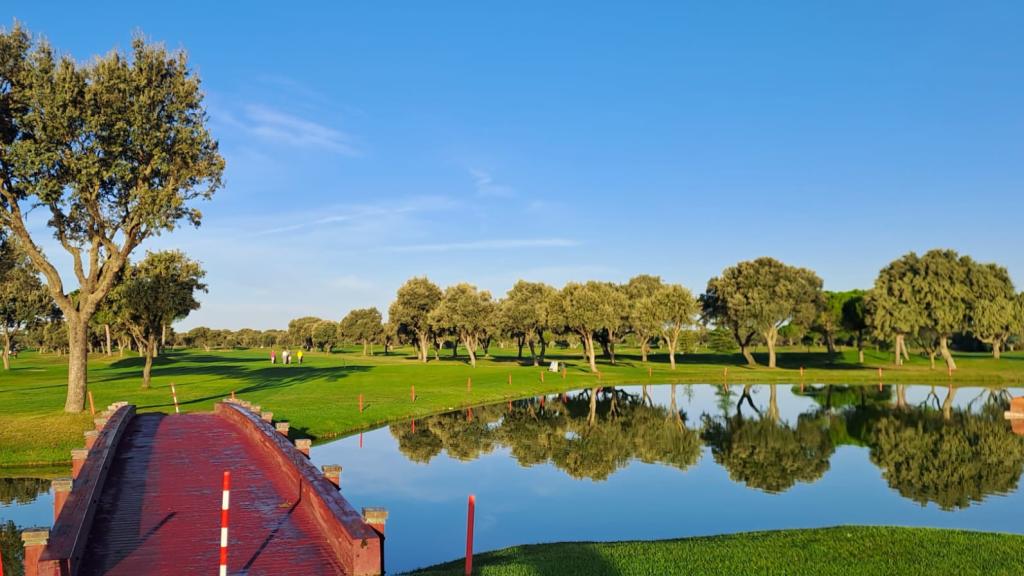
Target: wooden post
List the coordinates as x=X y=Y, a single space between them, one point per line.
x=92 y=412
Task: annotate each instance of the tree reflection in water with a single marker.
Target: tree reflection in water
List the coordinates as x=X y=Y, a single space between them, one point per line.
x=590 y=434
x=22 y=490
x=932 y=451
x=766 y=453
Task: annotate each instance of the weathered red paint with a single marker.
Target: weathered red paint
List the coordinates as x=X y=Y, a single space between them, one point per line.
x=358 y=548
x=145 y=503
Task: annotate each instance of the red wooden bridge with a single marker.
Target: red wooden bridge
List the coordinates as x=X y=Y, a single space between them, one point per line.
x=145 y=498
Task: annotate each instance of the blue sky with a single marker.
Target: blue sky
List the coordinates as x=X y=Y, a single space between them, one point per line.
x=367 y=142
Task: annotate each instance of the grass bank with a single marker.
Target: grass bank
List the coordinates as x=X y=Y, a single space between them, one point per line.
x=839 y=551
x=320 y=398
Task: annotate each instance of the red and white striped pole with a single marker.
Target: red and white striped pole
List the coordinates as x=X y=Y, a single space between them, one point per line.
x=225 y=500
x=174 y=394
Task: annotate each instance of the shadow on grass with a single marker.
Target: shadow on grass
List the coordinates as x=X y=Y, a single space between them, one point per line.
x=253 y=380
x=538 y=560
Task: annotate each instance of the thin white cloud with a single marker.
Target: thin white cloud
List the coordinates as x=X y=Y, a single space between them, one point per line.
x=360 y=213
x=506 y=244
x=486 y=187
x=271 y=124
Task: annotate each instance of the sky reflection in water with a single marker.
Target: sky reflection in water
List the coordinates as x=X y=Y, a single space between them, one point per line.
x=830 y=456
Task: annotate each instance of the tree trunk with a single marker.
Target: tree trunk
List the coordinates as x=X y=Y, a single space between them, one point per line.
x=7 y=350
x=773 y=404
x=901 y=396
x=830 y=343
x=423 y=347
x=947 y=404
x=903 y=347
x=163 y=336
x=533 y=354
x=78 y=363
x=147 y=369
x=931 y=358
x=366 y=345
x=588 y=347
x=770 y=337
x=672 y=344
x=455 y=348
x=944 y=348
x=543 y=349
x=592 y=415
x=611 y=352
x=745 y=350
x=898 y=348
x=110 y=348
x=520 y=341
x=471 y=350
x=997 y=348
x=643 y=349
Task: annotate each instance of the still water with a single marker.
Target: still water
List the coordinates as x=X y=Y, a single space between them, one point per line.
x=670 y=461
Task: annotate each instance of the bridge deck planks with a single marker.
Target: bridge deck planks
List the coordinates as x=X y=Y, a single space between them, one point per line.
x=159 y=512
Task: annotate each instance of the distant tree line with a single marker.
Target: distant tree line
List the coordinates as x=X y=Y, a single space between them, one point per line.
x=936 y=302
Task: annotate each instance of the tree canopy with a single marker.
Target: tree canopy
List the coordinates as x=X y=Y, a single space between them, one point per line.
x=363 y=325
x=410 y=312
x=758 y=297
x=154 y=293
x=114 y=149
x=466 y=312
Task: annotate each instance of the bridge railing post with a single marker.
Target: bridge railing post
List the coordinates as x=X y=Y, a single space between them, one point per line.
x=333 y=474
x=61 y=490
x=34 y=541
x=376 y=518
x=303 y=445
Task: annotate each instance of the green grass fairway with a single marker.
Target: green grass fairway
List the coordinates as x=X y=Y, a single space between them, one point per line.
x=839 y=551
x=320 y=398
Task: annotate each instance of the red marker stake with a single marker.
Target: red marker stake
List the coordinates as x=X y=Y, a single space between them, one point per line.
x=92 y=410
x=469 y=535
x=225 y=500
x=360 y=439
x=360 y=403
x=412 y=392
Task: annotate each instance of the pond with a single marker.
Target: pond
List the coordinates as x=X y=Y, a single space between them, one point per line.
x=670 y=461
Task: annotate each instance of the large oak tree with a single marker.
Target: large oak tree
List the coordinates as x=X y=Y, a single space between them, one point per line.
x=410 y=312
x=113 y=150
x=757 y=297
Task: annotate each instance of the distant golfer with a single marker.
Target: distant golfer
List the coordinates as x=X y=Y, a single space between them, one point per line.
x=273 y=356
x=300 y=356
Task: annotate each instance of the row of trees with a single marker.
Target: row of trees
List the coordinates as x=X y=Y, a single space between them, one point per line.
x=598 y=313
x=927 y=299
